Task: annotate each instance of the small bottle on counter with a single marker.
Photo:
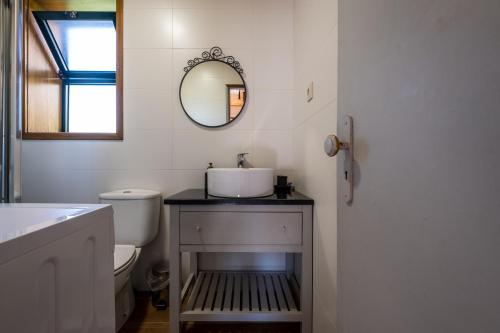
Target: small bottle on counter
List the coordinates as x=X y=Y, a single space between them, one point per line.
x=210 y=166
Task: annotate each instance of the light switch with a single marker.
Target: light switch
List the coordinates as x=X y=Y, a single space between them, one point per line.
x=310 y=91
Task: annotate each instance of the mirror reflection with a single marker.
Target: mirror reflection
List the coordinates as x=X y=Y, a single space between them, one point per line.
x=213 y=93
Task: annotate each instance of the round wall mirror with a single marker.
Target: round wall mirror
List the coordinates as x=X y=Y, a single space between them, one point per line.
x=213 y=92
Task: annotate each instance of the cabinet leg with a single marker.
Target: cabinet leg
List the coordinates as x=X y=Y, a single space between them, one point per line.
x=306 y=278
x=175 y=292
x=175 y=271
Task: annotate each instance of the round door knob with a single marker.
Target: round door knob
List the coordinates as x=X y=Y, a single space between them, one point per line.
x=333 y=144
x=198 y=228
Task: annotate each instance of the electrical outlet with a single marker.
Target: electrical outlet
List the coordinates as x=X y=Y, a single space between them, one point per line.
x=310 y=92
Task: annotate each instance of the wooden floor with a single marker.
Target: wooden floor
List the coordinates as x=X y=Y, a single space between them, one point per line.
x=146 y=319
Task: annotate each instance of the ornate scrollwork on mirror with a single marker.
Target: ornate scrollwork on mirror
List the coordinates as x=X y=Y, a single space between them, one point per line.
x=213 y=92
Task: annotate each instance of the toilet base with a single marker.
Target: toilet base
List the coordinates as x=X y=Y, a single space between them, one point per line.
x=124 y=304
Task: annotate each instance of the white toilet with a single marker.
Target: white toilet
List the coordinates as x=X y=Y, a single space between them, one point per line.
x=136 y=220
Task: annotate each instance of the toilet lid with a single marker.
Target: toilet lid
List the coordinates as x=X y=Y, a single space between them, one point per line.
x=124 y=254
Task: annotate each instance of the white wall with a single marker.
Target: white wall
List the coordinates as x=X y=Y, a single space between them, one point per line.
x=315 y=42
x=162 y=149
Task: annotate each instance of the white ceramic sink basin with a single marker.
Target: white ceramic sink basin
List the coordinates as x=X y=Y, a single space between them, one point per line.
x=240 y=182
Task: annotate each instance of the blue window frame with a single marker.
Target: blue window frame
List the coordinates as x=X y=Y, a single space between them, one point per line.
x=83 y=45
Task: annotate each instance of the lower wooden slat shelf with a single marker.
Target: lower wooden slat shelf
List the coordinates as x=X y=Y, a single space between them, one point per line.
x=240 y=296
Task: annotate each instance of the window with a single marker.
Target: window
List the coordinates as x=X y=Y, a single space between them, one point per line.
x=72 y=70
x=83 y=45
x=87 y=103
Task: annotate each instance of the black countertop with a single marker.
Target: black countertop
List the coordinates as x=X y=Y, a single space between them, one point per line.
x=197 y=197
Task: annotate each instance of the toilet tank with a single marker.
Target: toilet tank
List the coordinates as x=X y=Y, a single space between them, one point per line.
x=136 y=215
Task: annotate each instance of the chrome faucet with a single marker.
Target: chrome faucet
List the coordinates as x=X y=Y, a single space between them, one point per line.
x=241 y=160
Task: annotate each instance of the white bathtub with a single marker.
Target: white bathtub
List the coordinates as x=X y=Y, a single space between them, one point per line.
x=56 y=268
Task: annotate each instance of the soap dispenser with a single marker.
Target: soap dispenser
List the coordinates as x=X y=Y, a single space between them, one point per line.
x=210 y=166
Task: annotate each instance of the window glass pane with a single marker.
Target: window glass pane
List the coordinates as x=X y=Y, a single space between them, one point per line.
x=92 y=108
x=86 y=45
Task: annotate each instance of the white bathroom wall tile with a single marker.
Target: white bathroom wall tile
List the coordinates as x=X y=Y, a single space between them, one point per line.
x=325 y=71
x=273 y=28
x=184 y=179
x=75 y=186
x=59 y=186
x=111 y=155
x=299 y=160
x=316 y=176
x=56 y=155
x=204 y=28
x=310 y=31
x=34 y=155
x=274 y=69
x=301 y=107
x=327 y=12
x=212 y=4
x=36 y=178
x=140 y=149
x=272 y=109
x=147 y=28
x=319 y=181
x=320 y=15
x=69 y=155
x=147 y=4
x=273 y=4
x=273 y=149
x=150 y=149
x=147 y=68
x=322 y=72
x=310 y=158
x=147 y=109
x=303 y=63
x=195 y=149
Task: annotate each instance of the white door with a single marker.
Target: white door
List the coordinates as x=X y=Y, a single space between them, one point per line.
x=419 y=247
